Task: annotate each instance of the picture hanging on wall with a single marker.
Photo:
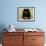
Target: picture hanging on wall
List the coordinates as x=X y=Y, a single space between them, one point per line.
x=26 y=14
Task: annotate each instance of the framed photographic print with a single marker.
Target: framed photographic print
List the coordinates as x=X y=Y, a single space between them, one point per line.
x=26 y=14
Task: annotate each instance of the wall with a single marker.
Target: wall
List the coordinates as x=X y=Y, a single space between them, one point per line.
x=9 y=13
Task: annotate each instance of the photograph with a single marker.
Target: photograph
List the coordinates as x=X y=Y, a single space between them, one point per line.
x=26 y=14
